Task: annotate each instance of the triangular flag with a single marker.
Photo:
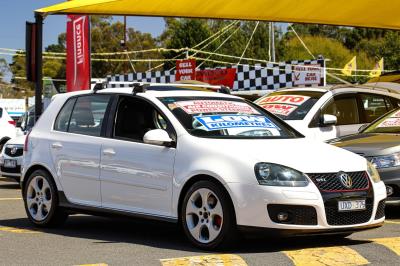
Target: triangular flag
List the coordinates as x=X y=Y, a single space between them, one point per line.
x=377 y=71
x=350 y=67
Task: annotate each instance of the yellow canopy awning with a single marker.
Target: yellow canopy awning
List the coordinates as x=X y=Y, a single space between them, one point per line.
x=363 y=13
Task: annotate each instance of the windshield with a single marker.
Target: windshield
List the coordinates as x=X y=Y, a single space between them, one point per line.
x=218 y=117
x=389 y=123
x=290 y=105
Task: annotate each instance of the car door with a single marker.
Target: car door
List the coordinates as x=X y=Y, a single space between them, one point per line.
x=345 y=108
x=75 y=147
x=135 y=176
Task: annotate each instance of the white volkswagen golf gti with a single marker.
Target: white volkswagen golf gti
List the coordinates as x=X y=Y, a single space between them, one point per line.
x=211 y=162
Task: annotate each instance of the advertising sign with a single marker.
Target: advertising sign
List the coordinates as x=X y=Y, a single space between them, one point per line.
x=225 y=77
x=185 y=70
x=217 y=122
x=282 y=104
x=307 y=75
x=78 y=53
x=215 y=106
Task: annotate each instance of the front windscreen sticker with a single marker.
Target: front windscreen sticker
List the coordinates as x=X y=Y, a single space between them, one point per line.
x=215 y=106
x=282 y=104
x=216 y=122
x=396 y=114
x=280 y=109
x=390 y=122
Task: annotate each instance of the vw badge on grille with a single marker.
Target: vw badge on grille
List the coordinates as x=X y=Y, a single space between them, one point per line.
x=345 y=179
x=14 y=150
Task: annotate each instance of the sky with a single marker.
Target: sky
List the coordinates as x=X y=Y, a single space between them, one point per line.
x=14 y=14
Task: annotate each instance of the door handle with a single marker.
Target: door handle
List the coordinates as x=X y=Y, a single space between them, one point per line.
x=56 y=145
x=109 y=152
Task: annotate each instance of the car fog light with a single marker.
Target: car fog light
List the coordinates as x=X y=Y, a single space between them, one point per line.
x=389 y=191
x=283 y=216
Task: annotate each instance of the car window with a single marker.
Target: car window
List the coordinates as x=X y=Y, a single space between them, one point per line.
x=64 y=115
x=289 y=105
x=135 y=117
x=1 y=112
x=373 y=106
x=88 y=115
x=219 y=117
x=345 y=108
x=390 y=123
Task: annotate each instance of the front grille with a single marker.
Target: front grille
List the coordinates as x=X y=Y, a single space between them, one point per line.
x=297 y=214
x=380 y=211
x=330 y=182
x=334 y=217
x=15 y=170
x=19 y=151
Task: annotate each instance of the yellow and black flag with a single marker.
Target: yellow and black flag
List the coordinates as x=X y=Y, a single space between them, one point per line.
x=350 y=67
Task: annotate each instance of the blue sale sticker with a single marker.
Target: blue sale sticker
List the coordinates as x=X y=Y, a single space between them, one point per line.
x=216 y=122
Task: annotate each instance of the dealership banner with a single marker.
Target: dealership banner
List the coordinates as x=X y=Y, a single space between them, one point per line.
x=270 y=76
x=78 y=53
x=221 y=76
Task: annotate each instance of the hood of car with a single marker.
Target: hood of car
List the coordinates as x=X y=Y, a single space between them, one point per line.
x=20 y=140
x=302 y=154
x=370 y=144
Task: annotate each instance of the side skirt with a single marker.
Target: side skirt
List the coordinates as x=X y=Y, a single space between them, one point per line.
x=98 y=211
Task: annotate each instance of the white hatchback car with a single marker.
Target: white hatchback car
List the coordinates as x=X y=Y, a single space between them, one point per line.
x=7 y=127
x=11 y=158
x=327 y=113
x=212 y=162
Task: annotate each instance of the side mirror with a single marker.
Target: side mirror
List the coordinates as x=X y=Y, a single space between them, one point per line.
x=328 y=120
x=157 y=137
x=362 y=127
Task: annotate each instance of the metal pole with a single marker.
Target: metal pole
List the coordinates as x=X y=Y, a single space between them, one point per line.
x=273 y=42
x=39 y=65
x=125 y=47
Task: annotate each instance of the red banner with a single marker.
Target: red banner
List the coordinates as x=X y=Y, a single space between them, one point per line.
x=224 y=76
x=78 y=53
x=185 y=70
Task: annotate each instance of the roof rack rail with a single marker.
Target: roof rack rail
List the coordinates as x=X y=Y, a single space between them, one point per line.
x=99 y=86
x=182 y=85
x=371 y=86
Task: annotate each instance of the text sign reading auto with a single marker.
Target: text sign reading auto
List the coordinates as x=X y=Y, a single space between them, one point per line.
x=216 y=122
x=282 y=104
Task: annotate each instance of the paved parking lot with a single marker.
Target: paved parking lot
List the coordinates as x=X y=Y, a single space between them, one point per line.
x=103 y=241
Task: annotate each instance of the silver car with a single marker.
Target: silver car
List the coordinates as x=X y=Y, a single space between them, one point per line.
x=379 y=143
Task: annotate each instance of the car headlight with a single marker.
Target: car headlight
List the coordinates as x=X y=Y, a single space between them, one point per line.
x=270 y=174
x=386 y=161
x=373 y=173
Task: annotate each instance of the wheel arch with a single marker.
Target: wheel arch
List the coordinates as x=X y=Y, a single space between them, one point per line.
x=202 y=177
x=32 y=169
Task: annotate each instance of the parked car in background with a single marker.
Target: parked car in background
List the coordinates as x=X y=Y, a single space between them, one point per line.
x=11 y=158
x=210 y=161
x=380 y=144
x=7 y=127
x=327 y=113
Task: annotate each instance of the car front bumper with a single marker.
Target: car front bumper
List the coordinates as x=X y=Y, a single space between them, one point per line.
x=13 y=172
x=252 y=208
x=391 y=177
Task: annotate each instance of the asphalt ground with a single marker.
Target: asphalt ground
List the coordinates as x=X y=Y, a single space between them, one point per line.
x=90 y=240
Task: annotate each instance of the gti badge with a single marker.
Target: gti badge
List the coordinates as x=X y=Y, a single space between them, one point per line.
x=14 y=150
x=345 y=179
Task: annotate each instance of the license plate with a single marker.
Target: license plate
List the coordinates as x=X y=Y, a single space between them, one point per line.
x=351 y=205
x=10 y=163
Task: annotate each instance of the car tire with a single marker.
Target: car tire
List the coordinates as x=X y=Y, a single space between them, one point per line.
x=207 y=216
x=41 y=200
